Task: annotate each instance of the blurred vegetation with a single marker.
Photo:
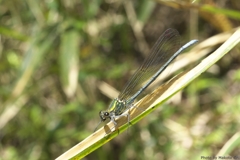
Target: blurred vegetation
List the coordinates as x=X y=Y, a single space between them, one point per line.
x=54 y=54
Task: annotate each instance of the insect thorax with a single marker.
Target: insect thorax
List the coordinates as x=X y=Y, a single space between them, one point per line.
x=117 y=106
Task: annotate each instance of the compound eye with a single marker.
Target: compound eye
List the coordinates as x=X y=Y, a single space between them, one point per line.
x=106 y=114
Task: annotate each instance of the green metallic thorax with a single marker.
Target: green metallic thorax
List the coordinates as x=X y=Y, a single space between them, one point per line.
x=117 y=106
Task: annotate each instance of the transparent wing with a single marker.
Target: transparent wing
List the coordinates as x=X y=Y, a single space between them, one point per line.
x=165 y=47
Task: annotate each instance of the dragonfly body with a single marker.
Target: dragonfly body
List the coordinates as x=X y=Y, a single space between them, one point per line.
x=164 y=51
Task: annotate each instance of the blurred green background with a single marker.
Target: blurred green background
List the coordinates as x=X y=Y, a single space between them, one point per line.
x=54 y=56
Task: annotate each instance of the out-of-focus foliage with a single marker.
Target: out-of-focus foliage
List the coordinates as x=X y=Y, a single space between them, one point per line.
x=53 y=55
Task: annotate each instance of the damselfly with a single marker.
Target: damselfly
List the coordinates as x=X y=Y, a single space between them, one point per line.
x=164 y=51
